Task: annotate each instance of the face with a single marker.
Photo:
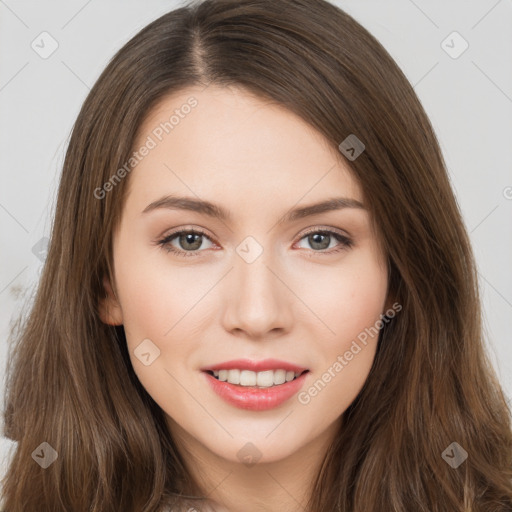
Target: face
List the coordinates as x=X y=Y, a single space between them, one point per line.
x=266 y=292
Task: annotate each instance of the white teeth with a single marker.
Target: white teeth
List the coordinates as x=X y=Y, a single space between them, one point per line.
x=234 y=376
x=247 y=378
x=263 y=379
x=279 y=376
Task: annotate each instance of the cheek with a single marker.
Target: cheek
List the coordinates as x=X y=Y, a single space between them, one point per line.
x=155 y=296
x=161 y=303
x=347 y=298
x=155 y=301
x=352 y=309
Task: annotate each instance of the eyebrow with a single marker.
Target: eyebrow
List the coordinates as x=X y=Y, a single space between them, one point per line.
x=216 y=211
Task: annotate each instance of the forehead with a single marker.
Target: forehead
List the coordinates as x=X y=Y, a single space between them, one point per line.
x=238 y=147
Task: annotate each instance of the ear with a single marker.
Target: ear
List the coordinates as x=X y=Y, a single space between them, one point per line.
x=109 y=307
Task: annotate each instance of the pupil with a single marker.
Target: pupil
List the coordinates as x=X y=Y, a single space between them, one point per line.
x=190 y=238
x=316 y=243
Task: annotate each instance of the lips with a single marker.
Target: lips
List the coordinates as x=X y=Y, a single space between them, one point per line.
x=255 y=366
x=244 y=394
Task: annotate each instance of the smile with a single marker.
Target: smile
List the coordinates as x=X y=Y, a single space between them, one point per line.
x=247 y=378
x=255 y=390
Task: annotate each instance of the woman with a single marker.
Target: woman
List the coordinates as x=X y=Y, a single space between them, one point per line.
x=259 y=293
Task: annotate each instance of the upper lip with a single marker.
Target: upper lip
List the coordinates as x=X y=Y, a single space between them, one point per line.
x=255 y=366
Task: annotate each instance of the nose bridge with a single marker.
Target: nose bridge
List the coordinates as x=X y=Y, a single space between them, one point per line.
x=257 y=300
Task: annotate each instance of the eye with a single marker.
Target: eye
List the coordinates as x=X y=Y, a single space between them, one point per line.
x=321 y=239
x=191 y=240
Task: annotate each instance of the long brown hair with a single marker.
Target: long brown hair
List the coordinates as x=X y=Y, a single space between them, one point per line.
x=70 y=382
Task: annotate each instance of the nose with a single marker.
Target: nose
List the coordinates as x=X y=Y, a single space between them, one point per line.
x=258 y=304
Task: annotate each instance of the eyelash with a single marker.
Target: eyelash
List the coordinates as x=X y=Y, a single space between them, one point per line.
x=164 y=243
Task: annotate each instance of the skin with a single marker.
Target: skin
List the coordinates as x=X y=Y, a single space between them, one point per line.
x=295 y=302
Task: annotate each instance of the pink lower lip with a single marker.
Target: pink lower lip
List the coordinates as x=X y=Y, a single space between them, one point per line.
x=254 y=398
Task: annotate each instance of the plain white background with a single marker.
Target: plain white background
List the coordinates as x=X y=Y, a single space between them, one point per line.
x=468 y=99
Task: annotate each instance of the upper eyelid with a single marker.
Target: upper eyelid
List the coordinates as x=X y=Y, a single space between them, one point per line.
x=338 y=231
x=198 y=231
